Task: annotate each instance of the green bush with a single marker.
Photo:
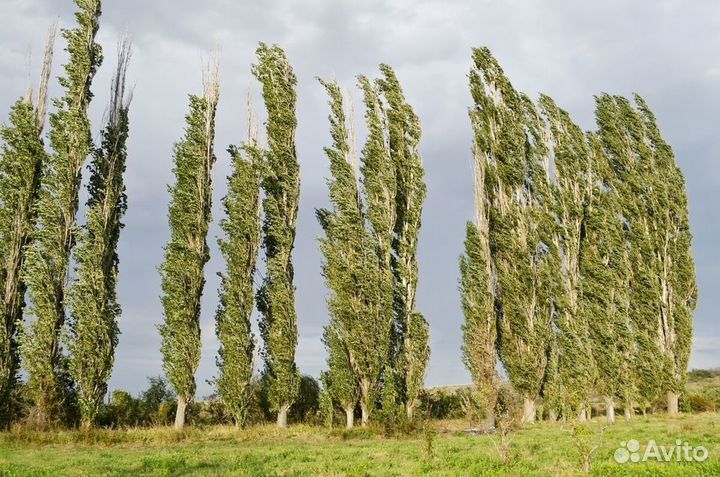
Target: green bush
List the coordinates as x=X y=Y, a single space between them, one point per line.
x=695 y=402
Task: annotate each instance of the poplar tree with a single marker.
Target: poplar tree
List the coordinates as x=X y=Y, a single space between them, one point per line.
x=47 y=258
x=187 y=252
x=509 y=136
x=242 y=227
x=21 y=160
x=342 y=384
x=93 y=296
x=676 y=267
x=358 y=336
x=281 y=184
x=605 y=269
x=478 y=295
x=411 y=345
x=620 y=130
x=380 y=188
x=576 y=367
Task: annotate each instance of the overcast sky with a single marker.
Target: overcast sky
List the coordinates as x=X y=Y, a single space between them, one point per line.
x=666 y=50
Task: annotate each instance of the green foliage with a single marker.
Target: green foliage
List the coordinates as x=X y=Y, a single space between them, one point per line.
x=411 y=347
x=606 y=272
x=357 y=338
x=526 y=262
x=93 y=296
x=47 y=260
x=575 y=364
x=370 y=248
x=240 y=248
x=21 y=160
x=187 y=252
x=281 y=183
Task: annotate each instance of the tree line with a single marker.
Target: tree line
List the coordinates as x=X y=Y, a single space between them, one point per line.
x=577 y=274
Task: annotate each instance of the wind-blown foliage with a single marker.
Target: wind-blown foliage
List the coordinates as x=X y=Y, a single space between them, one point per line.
x=21 y=161
x=411 y=347
x=93 y=296
x=508 y=135
x=654 y=203
x=576 y=368
x=240 y=247
x=605 y=270
x=478 y=294
x=676 y=268
x=620 y=130
x=380 y=188
x=281 y=183
x=47 y=260
x=357 y=337
x=187 y=252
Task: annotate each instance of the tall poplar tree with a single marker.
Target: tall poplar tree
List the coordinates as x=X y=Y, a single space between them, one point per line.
x=478 y=293
x=509 y=135
x=411 y=345
x=281 y=183
x=620 y=130
x=187 y=252
x=576 y=367
x=605 y=269
x=47 y=259
x=379 y=183
x=242 y=227
x=358 y=336
x=21 y=160
x=93 y=296
x=676 y=267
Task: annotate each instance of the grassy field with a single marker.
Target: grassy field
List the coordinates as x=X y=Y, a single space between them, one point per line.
x=538 y=450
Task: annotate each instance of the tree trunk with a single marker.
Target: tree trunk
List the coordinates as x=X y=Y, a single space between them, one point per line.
x=528 y=410
x=628 y=411
x=365 y=414
x=582 y=415
x=552 y=415
x=610 y=410
x=489 y=422
x=672 y=403
x=349 y=417
x=180 y=413
x=282 y=417
x=409 y=409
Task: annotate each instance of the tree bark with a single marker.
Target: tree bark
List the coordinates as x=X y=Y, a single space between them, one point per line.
x=349 y=417
x=528 y=410
x=582 y=415
x=282 y=417
x=180 y=413
x=672 y=402
x=409 y=410
x=365 y=414
x=489 y=422
x=628 y=411
x=610 y=410
x=552 y=415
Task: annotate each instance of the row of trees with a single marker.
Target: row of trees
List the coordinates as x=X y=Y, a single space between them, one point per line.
x=377 y=342
x=40 y=235
x=577 y=274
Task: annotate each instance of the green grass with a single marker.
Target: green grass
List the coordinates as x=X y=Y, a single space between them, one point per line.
x=539 y=450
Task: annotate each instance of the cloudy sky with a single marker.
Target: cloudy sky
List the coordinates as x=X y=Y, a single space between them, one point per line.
x=666 y=50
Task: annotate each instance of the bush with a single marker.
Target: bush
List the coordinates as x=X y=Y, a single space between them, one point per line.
x=694 y=402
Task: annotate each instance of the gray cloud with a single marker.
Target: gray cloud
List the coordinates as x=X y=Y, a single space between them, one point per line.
x=665 y=50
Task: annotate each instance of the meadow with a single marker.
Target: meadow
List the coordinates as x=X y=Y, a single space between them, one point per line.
x=443 y=448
